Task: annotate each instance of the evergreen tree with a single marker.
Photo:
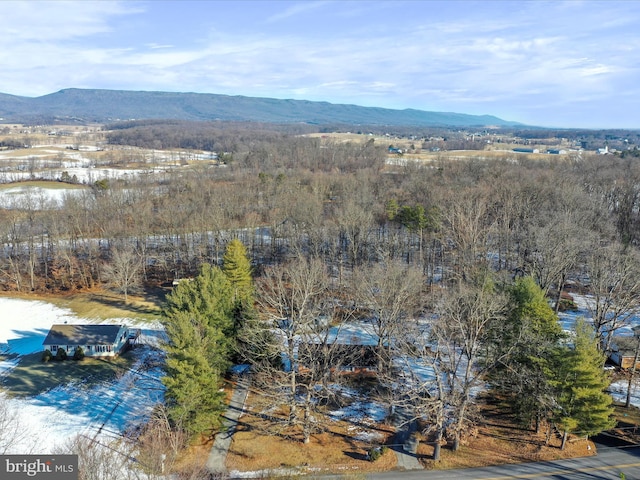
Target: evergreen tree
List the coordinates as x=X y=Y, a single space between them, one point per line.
x=580 y=382
x=237 y=268
x=210 y=294
x=533 y=328
x=198 y=321
x=194 y=372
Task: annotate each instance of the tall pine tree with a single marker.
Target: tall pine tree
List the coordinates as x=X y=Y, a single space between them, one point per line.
x=198 y=321
x=580 y=381
x=237 y=267
x=532 y=327
x=194 y=372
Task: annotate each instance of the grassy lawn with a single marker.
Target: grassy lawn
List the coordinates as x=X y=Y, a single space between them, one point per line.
x=335 y=449
x=52 y=185
x=498 y=440
x=628 y=427
x=105 y=304
x=494 y=441
x=32 y=376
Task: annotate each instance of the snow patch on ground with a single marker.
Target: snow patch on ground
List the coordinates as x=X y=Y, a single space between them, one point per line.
x=360 y=411
x=39 y=197
x=25 y=324
x=100 y=412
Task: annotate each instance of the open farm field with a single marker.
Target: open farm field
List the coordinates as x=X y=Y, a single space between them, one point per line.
x=39 y=184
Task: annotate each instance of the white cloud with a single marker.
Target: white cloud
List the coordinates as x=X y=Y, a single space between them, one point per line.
x=296 y=9
x=154 y=46
x=459 y=56
x=49 y=21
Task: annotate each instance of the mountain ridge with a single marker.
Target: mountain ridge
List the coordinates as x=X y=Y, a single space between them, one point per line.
x=102 y=105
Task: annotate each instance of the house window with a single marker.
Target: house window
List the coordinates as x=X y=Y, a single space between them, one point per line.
x=54 y=348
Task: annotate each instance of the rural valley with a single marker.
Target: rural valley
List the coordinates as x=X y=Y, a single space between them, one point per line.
x=393 y=298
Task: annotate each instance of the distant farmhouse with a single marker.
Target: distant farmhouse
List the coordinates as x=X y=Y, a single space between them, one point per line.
x=95 y=340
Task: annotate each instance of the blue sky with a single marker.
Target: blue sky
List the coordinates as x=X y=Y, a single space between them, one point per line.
x=556 y=63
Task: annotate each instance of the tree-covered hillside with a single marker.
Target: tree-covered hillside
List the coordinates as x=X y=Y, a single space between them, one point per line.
x=88 y=105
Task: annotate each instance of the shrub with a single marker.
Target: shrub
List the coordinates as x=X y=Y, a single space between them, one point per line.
x=47 y=355
x=61 y=354
x=374 y=454
x=78 y=353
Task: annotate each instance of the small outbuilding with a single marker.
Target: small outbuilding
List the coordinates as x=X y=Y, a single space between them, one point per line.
x=95 y=340
x=624 y=350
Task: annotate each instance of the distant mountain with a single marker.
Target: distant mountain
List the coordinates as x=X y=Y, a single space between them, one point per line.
x=89 y=105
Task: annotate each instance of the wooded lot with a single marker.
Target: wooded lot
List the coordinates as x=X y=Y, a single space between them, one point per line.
x=456 y=264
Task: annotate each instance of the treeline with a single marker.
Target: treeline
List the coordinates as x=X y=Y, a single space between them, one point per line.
x=220 y=136
x=561 y=222
x=339 y=200
x=450 y=239
x=517 y=215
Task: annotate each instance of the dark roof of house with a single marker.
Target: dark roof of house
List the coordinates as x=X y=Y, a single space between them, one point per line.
x=65 y=334
x=625 y=345
x=339 y=354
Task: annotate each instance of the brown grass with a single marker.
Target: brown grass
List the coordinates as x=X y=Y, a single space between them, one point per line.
x=495 y=441
x=333 y=450
x=101 y=304
x=48 y=184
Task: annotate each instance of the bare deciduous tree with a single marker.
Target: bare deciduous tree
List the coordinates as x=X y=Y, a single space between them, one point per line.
x=467 y=324
x=391 y=291
x=293 y=299
x=123 y=271
x=614 y=276
x=12 y=431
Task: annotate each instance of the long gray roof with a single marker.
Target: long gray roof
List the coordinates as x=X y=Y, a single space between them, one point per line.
x=65 y=334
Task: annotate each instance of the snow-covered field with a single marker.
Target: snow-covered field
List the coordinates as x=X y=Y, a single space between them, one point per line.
x=47 y=420
x=39 y=197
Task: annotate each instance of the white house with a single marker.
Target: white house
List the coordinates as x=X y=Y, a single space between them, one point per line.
x=95 y=340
